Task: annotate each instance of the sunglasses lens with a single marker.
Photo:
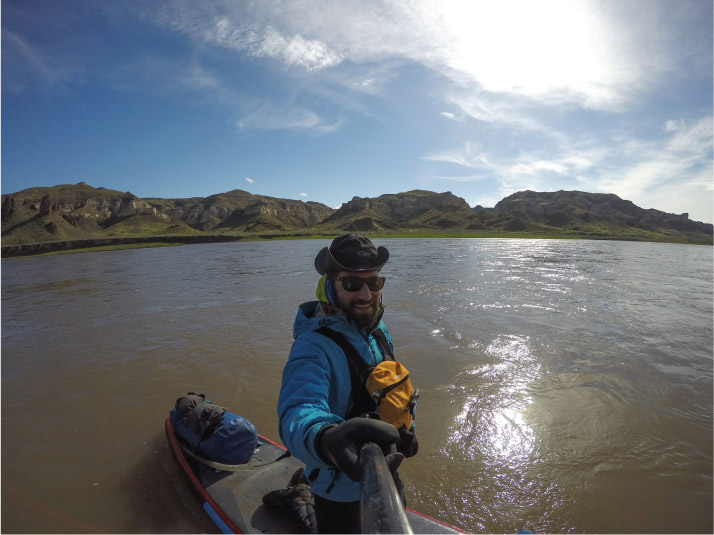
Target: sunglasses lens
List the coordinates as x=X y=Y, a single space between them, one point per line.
x=354 y=284
x=376 y=284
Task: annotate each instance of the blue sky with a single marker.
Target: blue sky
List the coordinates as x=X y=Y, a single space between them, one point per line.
x=324 y=100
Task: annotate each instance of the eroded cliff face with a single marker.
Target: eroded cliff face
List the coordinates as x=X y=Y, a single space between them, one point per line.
x=568 y=208
x=405 y=206
x=236 y=211
x=79 y=204
x=92 y=209
x=392 y=209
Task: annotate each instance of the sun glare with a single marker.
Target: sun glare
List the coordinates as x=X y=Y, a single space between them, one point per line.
x=527 y=47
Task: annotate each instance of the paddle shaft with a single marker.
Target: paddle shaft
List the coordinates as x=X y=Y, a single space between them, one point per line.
x=382 y=510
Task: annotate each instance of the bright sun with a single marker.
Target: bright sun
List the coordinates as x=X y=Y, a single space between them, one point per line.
x=529 y=47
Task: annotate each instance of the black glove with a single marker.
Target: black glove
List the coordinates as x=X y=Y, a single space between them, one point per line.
x=340 y=444
x=299 y=501
x=407 y=443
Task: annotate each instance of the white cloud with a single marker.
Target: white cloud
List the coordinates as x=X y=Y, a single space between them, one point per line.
x=467 y=156
x=366 y=83
x=249 y=180
x=449 y=157
x=510 y=111
x=664 y=163
x=239 y=32
x=295 y=50
x=671 y=172
x=455 y=178
x=302 y=195
x=485 y=202
x=672 y=125
x=599 y=54
x=534 y=167
x=585 y=52
x=267 y=117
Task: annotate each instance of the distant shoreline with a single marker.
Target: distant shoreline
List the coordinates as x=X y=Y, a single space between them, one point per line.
x=135 y=242
x=32 y=249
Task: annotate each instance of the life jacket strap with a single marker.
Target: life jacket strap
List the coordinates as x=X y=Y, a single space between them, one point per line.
x=362 y=402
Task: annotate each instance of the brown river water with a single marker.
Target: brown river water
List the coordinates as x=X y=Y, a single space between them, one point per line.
x=565 y=386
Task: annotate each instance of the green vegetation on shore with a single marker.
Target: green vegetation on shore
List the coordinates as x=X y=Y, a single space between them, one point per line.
x=67 y=247
x=79 y=217
x=117 y=247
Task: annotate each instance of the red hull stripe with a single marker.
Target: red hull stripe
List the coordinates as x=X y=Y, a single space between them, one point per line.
x=198 y=487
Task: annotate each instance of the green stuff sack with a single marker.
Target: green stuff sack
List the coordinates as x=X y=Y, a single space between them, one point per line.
x=392 y=390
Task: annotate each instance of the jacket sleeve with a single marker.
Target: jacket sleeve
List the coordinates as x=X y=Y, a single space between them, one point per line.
x=309 y=395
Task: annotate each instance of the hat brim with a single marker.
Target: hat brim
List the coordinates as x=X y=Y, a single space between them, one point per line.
x=326 y=263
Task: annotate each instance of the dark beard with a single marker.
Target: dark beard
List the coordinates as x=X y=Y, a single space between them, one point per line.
x=361 y=319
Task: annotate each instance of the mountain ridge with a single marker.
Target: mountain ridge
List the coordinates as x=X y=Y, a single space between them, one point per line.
x=68 y=213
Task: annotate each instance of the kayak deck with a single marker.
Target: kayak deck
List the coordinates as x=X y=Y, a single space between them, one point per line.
x=234 y=500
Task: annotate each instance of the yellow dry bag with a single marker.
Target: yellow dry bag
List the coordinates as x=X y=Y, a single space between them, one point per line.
x=392 y=390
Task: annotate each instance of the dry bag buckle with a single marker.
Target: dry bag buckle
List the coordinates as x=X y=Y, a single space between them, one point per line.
x=413 y=404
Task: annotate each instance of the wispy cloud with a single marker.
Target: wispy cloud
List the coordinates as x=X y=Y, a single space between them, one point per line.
x=457 y=178
x=296 y=50
x=28 y=53
x=302 y=195
x=560 y=51
x=267 y=117
x=644 y=169
x=450 y=116
x=196 y=77
x=578 y=52
x=249 y=180
x=239 y=32
x=665 y=162
x=31 y=66
x=497 y=59
x=468 y=155
x=366 y=83
x=537 y=166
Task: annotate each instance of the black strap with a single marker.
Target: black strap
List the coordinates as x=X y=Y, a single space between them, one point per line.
x=362 y=402
x=381 y=394
x=383 y=344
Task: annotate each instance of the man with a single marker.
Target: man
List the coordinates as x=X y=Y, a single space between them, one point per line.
x=321 y=400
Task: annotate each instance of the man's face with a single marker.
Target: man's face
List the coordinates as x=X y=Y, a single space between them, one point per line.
x=361 y=305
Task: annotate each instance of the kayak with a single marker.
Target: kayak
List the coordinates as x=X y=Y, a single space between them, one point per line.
x=234 y=499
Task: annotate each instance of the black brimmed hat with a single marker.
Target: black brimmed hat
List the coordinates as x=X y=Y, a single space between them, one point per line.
x=351 y=252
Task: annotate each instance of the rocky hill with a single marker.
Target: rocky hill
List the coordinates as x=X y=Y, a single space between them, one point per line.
x=70 y=214
x=240 y=210
x=413 y=209
x=579 y=211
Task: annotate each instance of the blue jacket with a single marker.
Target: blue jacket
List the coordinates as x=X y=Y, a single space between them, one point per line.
x=316 y=390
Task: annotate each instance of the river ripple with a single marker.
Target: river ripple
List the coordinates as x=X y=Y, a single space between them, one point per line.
x=566 y=386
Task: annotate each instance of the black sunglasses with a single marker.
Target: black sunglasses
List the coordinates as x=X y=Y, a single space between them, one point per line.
x=354 y=284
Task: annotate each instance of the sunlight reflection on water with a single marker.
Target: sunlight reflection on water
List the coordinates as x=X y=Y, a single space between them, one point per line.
x=530 y=421
x=497 y=428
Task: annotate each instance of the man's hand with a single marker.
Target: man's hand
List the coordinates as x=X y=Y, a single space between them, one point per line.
x=408 y=443
x=340 y=444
